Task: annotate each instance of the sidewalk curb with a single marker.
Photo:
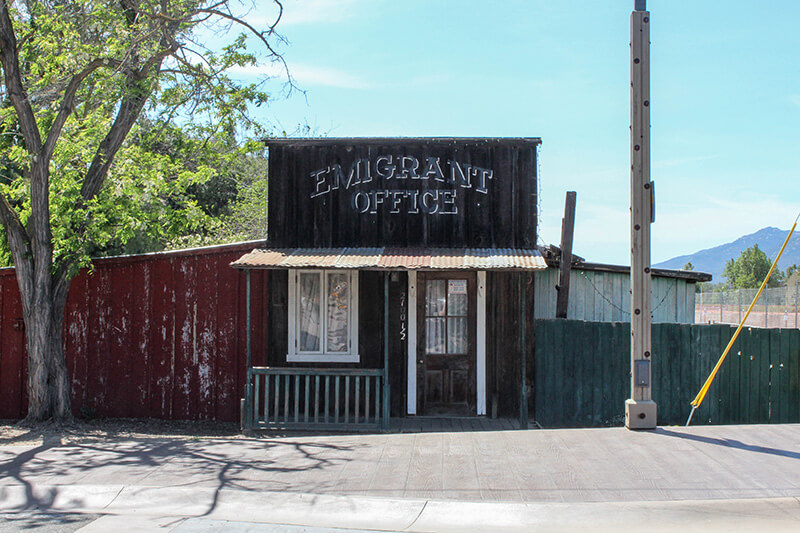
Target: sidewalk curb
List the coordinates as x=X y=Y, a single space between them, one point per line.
x=141 y=507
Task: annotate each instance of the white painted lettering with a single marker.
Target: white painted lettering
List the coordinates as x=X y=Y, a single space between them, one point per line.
x=429 y=208
x=319 y=177
x=397 y=197
x=432 y=169
x=360 y=202
x=408 y=167
x=384 y=167
x=483 y=175
x=458 y=175
x=449 y=201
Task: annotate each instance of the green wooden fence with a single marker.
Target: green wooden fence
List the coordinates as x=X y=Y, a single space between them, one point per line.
x=582 y=373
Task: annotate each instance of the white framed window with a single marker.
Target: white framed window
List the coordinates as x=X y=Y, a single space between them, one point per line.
x=323 y=316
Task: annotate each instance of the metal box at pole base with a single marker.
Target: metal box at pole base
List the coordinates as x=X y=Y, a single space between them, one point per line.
x=640 y=414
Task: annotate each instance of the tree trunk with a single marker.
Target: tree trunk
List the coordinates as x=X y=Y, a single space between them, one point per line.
x=49 y=394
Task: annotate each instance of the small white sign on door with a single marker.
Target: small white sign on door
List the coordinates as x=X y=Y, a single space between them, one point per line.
x=457 y=286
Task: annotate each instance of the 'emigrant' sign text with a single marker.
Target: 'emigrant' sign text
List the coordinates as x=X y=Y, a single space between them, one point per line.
x=388 y=182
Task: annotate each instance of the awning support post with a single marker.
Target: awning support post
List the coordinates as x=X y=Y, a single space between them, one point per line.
x=248 y=388
x=523 y=396
x=386 y=395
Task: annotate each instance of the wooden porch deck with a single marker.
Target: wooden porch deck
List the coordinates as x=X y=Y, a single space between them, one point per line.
x=430 y=424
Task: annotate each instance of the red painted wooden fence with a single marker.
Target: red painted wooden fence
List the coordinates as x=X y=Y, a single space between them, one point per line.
x=155 y=335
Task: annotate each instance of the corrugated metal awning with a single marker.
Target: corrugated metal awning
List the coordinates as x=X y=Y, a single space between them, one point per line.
x=391 y=258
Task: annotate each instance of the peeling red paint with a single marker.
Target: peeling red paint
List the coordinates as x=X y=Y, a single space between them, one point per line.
x=155 y=335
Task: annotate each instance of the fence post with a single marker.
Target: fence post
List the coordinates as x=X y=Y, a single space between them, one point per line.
x=739 y=302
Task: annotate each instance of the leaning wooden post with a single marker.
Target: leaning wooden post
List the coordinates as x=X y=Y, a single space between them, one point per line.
x=386 y=395
x=523 y=395
x=567 y=233
x=640 y=409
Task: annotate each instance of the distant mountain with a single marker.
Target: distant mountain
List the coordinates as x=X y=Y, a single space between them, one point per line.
x=713 y=260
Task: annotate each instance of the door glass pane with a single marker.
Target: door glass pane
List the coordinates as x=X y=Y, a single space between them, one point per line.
x=457 y=297
x=457 y=335
x=310 y=293
x=434 y=335
x=338 y=311
x=435 y=297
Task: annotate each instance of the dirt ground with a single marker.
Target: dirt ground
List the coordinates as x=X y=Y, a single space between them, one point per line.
x=81 y=431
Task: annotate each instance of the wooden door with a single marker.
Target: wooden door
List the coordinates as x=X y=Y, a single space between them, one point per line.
x=446 y=310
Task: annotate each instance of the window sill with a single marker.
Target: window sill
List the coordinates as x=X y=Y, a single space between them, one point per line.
x=323 y=358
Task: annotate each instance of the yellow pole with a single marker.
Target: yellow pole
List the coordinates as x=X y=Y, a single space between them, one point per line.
x=707 y=385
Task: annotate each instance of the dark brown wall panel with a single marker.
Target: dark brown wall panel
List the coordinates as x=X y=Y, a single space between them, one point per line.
x=404 y=192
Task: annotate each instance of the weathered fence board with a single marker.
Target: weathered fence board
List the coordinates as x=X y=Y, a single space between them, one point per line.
x=582 y=373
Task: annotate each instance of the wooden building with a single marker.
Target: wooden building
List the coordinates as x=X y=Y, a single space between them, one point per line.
x=399 y=278
x=602 y=293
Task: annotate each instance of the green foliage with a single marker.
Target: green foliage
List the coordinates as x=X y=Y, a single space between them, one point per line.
x=189 y=168
x=749 y=270
x=688 y=266
x=791 y=272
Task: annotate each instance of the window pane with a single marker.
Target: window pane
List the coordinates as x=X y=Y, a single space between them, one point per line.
x=434 y=335
x=435 y=297
x=310 y=292
x=338 y=312
x=456 y=335
x=457 y=297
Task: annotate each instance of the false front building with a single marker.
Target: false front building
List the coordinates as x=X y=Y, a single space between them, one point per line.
x=398 y=278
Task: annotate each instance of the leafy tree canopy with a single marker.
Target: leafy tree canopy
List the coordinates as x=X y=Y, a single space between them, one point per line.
x=749 y=270
x=82 y=171
x=180 y=167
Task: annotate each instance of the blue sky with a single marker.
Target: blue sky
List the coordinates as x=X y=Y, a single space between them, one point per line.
x=725 y=93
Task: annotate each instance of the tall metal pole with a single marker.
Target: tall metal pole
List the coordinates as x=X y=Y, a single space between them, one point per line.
x=640 y=409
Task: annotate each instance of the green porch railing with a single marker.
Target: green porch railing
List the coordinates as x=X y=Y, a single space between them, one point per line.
x=316 y=398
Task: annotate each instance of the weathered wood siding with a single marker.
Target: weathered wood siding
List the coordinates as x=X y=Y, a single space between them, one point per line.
x=504 y=341
x=490 y=186
x=605 y=297
x=157 y=335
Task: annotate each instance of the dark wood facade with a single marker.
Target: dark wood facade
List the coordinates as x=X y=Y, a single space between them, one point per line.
x=503 y=335
x=403 y=192
x=456 y=193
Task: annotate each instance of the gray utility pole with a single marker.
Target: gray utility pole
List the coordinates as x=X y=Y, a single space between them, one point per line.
x=640 y=409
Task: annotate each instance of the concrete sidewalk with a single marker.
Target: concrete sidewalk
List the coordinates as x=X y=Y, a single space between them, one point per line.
x=728 y=477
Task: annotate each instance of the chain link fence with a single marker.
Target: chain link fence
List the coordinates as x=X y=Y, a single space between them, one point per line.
x=776 y=308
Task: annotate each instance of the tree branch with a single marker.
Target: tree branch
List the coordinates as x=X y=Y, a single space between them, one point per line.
x=19 y=242
x=260 y=35
x=68 y=101
x=9 y=57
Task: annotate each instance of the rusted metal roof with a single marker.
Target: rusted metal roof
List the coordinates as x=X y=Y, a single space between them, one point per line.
x=392 y=258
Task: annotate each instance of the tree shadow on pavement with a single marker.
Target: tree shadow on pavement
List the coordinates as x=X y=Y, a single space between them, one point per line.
x=729 y=443
x=242 y=464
